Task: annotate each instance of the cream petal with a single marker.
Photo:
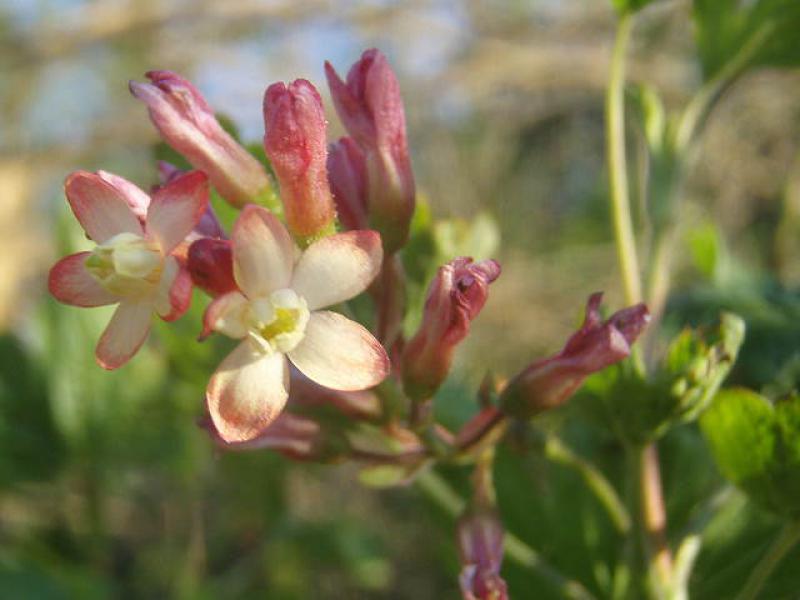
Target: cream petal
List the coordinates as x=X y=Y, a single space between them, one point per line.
x=337 y=268
x=176 y=208
x=174 y=291
x=226 y=314
x=124 y=335
x=69 y=282
x=100 y=207
x=340 y=354
x=263 y=252
x=247 y=392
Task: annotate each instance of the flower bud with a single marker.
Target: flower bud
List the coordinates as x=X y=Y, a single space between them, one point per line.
x=347 y=174
x=210 y=263
x=455 y=298
x=188 y=125
x=549 y=382
x=295 y=144
x=371 y=109
x=480 y=544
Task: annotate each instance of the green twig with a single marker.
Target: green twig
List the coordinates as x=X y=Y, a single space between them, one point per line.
x=787 y=538
x=440 y=492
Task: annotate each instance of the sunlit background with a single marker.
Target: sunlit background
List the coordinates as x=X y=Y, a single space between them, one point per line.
x=108 y=489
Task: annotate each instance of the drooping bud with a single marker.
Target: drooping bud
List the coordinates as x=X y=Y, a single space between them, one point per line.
x=455 y=298
x=371 y=109
x=295 y=143
x=347 y=174
x=210 y=263
x=187 y=123
x=549 y=382
x=306 y=394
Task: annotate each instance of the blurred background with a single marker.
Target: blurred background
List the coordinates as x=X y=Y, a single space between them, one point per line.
x=107 y=487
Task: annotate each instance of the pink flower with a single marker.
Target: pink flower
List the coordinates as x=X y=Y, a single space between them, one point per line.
x=455 y=298
x=371 y=109
x=549 y=382
x=187 y=123
x=133 y=263
x=295 y=144
x=480 y=543
x=347 y=174
x=277 y=316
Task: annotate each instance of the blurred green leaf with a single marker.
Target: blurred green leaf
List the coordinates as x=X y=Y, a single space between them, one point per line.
x=629 y=6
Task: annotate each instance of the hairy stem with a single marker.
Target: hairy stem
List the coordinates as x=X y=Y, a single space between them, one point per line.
x=787 y=538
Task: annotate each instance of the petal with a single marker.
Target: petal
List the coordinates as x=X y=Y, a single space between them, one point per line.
x=338 y=267
x=100 y=207
x=124 y=335
x=137 y=199
x=176 y=208
x=263 y=252
x=340 y=354
x=71 y=283
x=226 y=315
x=247 y=392
x=174 y=292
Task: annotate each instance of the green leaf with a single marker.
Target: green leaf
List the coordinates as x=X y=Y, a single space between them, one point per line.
x=629 y=6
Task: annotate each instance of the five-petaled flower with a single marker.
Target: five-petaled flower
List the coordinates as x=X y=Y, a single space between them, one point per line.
x=276 y=313
x=133 y=263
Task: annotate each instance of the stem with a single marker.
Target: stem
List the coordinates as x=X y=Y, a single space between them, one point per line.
x=617 y=165
x=787 y=538
x=440 y=492
x=603 y=490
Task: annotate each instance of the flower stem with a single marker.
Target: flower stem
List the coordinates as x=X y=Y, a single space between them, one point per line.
x=440 y=492
x=787 y=538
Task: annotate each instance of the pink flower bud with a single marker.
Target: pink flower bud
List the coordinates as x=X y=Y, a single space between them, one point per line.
x=480 y=544
x=295 y=144
x=455 y=298
x=210 y=263
x=549 y=382
x=371 y=109
x=187 y=123
x=347 y=174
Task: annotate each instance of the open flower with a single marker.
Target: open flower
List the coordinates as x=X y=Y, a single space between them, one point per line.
x=133 y=263
x=277 y=316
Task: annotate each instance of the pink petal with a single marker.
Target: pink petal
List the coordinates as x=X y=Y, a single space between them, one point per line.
x=221 y=316
x=71 y=283
x=138 y=201
x=124 y=335
x=100 y=207
x=176 y=208
x=247 y=392
x=340 y=354
x=337 y=268
x=263 y=252
x=175 y=291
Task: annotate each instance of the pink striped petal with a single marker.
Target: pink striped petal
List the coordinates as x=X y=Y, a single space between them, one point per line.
x=247 y=392
x=175 y=291
x=263 y=252
x=340 y=354
x=338 y=267
x=69 y=282
x=125 y=334
x=176 y=208
x=137 y=199
x=100 y=207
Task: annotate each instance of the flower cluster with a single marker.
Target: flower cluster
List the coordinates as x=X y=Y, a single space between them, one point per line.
x=273 y=279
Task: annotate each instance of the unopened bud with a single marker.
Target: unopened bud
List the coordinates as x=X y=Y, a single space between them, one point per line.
x=210 y=263
x=347 y=174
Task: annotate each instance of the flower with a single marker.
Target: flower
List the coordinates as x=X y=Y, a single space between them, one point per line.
x=455 y=298
x=187 y=123
x=295 y=144
x=133 y=263
x=480 y=544
x=347 y=175
x=550 y=382
x=276 y=315
x=371 y=109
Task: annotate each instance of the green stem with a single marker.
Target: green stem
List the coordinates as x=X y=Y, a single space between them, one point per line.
x=440 y=492
x=788 y=537
x=617 y=165
x=605 y=493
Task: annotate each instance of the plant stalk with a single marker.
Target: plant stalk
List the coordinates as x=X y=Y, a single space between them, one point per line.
x=787 y=539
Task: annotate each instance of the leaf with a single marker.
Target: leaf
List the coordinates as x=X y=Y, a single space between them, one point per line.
x=629 y=6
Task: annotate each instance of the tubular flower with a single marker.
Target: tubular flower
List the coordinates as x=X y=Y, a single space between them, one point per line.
x=455 y=298
x=480 y=543
x=550 y=382
x=187 y=123
x=133 y=263
x=293 y=436
x=371 y=109
x=276 y=315
x=347 y=174
x=295 y=144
